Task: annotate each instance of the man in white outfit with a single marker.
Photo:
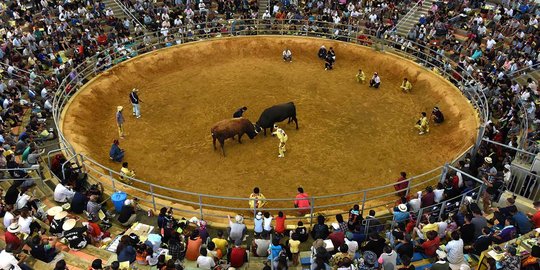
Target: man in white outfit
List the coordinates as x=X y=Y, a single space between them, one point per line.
x=287 y=55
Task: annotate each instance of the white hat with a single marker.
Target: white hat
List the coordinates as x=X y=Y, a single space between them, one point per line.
x=507 y=166
x=119 y=108
x=14 y=228
x=69 y=224
x=60 y=215
x=488 y=160
x=259 y=215
x=441 y=254
x=239 y=219
x=335 y=225
x=127 y=202
x=402 y=207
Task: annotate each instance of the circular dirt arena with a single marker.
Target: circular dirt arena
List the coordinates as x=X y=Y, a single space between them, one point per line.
x=351 y=137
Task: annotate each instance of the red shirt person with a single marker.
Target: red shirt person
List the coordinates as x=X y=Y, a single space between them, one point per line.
x=237 y=255
x=536 y=216
x=280 y=223
x=401 y=188
x=302 y=202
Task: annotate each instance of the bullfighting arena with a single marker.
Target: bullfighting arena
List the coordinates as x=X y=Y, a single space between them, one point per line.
x=351 y=137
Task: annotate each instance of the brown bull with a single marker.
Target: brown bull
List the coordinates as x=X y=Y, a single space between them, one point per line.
x=229 y=128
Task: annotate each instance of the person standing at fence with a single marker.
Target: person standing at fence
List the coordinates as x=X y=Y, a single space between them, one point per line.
x=120 y=121
x=257 y=199
x=401 y=185
x=134 y=98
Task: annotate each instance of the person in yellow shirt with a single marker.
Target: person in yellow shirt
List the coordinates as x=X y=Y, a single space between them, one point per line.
x=221 y=243
x=424 y=228
x=257 y=199
x=360 y=76
x=282 y=136
x=294 y=246
x=126 y=172
x=406 y=86
x=422 y=124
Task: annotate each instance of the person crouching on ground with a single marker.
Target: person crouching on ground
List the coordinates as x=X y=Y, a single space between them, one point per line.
x=126 y=174
x=287 y=55
x=116 y=153
x=406 y=86
x=329 y=62
x=437 y=116
x=128 y=215
x=322 y=52
x=375 y=80
x=360 y=76
x=422 y=124
x=257 y=199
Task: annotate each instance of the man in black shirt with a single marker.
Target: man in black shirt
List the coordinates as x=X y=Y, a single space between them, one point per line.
x=76 y=236
x=467 y=230
x=127 y=214
x=405 y=247
x=482 y=242
x=43 y=250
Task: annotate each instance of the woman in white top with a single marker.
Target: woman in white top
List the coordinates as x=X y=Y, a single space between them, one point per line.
x=25 y=219
x=267 y=222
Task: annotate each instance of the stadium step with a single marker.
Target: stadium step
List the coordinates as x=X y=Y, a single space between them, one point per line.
x=411 y=18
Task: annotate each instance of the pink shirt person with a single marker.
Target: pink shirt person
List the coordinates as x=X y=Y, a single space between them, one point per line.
x=302 y=201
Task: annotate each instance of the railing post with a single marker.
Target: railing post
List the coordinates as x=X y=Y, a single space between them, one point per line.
x=153 y=197
x=311 y=206
x=481 y=132
x=443 y=205
x=408 y=187
x=363 y=202
x=112 y=181
x=419 y=217
x=200 y=207
x=443 y=173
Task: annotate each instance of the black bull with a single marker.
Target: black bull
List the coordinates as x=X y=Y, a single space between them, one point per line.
x=275 y=114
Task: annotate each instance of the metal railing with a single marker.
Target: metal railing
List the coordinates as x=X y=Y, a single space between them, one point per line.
x=205 y=204
x=128 y=13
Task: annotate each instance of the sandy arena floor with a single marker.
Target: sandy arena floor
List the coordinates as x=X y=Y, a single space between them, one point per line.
x=351 y=137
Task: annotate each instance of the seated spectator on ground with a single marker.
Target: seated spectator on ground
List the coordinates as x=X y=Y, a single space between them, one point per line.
x=301 y=231
x=12 y=238
x=431 y=245
x=237 y=229
x=467 y=230
x=204 y=261
x=388 y=259
x=441 y=263
x=454 y=249
x=428 y=199
x=76 y=236
x=535 y=218
x=63 y=194
x=237 y=255
x=523 y=224
x=214 y=253
x=55 y=228
x=341 y=255
x=221 y=243
x=337 y=236
x=507 y=233
x=400 y=213
x=128 y=214
x=125 y=250
x=422 y=229
x=9 y=261
x=481 y=243
x=280 y=223
x=177 y=247
x=372 y=223
x=78 y=203
x=95 y=233
x=370 y=259
x=43 y=249
x=405 y=247
x=320 y=230
x=353 y=245
x=375 y=244
x=93 y=208
x=260 y=245
x=511 y=261
x=406 y=264
x=193 y=246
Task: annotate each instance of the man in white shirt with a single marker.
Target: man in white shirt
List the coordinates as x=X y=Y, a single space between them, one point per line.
x=454 y=249
x=9 y=262
x=287 y=55
x=205 y=262
x=353 y=245
x=490 y=43
x=63 y=194
x=375 y=80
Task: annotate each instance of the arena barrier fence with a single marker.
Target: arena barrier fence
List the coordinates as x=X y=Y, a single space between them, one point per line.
x=205 y=205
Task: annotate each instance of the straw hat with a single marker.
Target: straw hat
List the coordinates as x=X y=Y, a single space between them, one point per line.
x=69 y=224
x=53 y=211
x=60 y=215
x=239 y=219
x=14 y=228
x=119 y=108
x=488 y=160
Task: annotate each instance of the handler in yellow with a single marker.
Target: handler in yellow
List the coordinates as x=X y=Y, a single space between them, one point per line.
x=406 y=86
x=360 y=76
x=280 y=133
x=126 y=172
x=422 y=124
x=257 y=199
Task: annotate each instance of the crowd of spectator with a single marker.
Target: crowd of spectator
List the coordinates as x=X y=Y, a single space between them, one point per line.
x=42 y=42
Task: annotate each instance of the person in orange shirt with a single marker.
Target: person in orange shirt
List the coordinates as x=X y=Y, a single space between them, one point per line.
x=535 y=218
x=280 y=223
x=193 y=246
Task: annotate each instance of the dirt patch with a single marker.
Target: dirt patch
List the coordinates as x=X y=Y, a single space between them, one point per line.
x=351 y=137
